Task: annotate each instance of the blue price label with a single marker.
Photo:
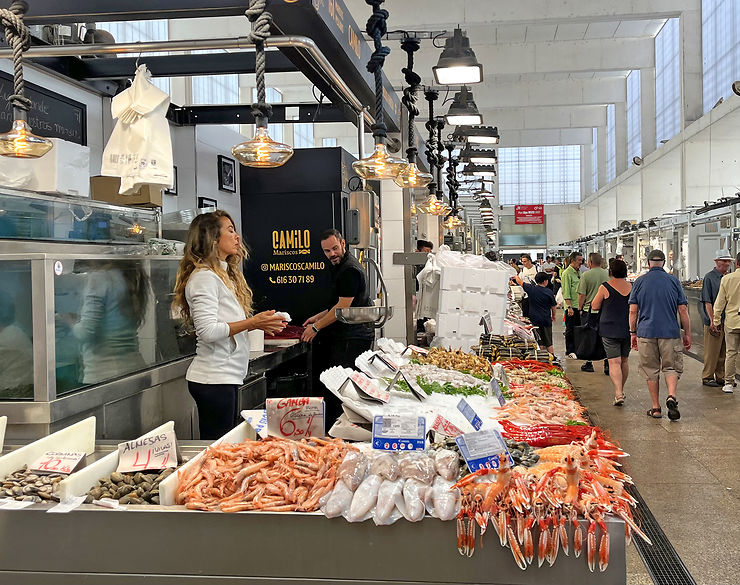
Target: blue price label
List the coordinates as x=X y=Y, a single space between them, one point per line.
x=399 y=432
x=483 y=449
x=468 y=412
x=498 y=391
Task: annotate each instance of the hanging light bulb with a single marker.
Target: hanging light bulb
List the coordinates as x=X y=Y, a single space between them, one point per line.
x=379 y=165
x=411 y=177
x=463 y=110
x=457 y=63
x=262 y=152
x=413 y=209
x=20 y=142
x=427 y=205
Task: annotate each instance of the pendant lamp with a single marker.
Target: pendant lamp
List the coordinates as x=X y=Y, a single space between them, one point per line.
x=463 y=109
x=457 y=63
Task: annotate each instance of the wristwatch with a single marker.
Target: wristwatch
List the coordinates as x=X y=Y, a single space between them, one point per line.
x=313 y=326
x=633 y=332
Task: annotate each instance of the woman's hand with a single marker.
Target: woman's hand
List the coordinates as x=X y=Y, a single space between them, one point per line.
x=268 y=321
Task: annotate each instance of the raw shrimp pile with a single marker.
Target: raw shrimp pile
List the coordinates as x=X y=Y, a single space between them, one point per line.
x=276 y=475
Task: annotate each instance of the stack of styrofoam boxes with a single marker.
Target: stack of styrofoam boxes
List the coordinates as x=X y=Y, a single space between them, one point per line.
x=464 y=297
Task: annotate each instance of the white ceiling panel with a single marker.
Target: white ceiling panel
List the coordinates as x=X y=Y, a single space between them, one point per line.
x=582 y=75
x=601 y=30
x=511 y=34
x=571 y=32
x=541 y=33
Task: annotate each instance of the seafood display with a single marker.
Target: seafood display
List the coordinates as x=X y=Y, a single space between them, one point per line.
x=276 y=475
x=507 y=347
x=435 y=379
x=130 y=487
x=27 y=486
x=456 y=360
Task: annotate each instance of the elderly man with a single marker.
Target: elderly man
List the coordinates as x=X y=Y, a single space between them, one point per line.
x=570 y=277
x=656 y=297
x=713 y=373
x=728 y=304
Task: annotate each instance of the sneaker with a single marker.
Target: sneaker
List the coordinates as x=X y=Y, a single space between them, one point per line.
x=571 y=356
x=587 y=367
x=727 y=388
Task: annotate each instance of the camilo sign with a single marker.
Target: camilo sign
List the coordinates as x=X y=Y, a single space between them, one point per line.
x=529 y=214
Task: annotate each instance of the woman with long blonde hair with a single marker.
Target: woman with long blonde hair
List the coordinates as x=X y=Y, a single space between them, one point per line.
x=212 y=296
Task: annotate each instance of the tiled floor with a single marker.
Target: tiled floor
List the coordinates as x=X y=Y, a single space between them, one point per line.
x=687 y=471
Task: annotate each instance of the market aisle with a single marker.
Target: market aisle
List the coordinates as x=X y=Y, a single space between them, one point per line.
x=688 y=472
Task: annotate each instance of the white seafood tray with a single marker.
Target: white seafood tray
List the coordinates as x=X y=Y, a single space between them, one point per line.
x=81 y=482
x=3 y=425
x=77 y=437
x=168 y=487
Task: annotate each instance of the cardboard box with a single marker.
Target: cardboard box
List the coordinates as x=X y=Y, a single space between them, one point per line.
x=106 y=189
x=64 y=169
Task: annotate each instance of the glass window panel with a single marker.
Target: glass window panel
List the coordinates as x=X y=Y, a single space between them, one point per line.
x=533 y=175
x=16 y=330
x=634 y=117
x=611 y=150
x=594 y=161
x=303 y=136
x=667 y=92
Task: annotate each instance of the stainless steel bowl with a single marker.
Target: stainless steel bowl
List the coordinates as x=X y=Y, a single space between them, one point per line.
x=353 y=315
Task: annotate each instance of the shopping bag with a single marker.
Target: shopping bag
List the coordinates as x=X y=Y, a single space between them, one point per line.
x=559 y=297
x=588 y=342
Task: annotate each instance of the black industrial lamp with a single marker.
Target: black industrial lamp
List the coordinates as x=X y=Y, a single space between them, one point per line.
x=476 y=170
x=457 y=63
x=476 y=134
x=484 y=156
x=463 y=109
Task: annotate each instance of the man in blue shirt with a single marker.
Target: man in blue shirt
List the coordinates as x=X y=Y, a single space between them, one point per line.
x=654 y=301
x=541 y=306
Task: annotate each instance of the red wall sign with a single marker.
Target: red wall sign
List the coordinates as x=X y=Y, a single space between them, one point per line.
x=529 y=214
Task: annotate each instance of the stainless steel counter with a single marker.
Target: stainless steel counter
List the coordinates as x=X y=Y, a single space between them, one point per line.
x=693 y=295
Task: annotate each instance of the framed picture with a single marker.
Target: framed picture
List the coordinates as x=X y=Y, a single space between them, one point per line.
x=173 y=189
x=207 y=202
x=226 y=174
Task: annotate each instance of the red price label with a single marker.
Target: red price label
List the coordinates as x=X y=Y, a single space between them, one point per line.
x=295 y=418
x=366 y=386
x=445 y=427
x=57 y=462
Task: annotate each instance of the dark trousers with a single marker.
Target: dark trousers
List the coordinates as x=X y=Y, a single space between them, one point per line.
x=328 y=353
x=217 y=408
x=570 y=324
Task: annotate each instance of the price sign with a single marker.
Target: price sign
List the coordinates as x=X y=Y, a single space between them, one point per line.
x=295 y=418
x=499 y=383
x=483 y=449
x=445 y=427
x=486 y=322
x=496 y=390
x=367 y=389
x=150 y=452
x=257 y=419
x=469 y=414
x=398 y=432
x=416 y=390
x=389 y=363
x=63 y=462
x=416 y=349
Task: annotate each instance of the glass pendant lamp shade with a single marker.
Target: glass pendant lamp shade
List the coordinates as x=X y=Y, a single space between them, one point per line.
x=457 y=64
x=463 y=110
x=262 y=152
x=412 y=177
x=426 y=206
x=379 y=165
x=20 y=142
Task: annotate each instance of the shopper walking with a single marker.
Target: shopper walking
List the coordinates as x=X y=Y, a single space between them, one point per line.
x=713 y=373
x=656 y=297
x=212 y=296
x=541 y=306
x=570 y=278
x=612 y=303
x=728 y=303
x=588 y=286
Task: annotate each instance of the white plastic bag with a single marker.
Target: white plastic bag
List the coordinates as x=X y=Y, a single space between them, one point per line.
x=140 y=147
x=390 y=495
x=559 y=297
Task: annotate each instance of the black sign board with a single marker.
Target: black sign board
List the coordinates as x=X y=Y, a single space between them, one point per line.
x=52 y=115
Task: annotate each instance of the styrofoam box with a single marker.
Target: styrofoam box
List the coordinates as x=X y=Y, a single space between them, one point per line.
x=448 y=324
x=498 y=325
x=450 y=301
x=470 y=325
x=496 y=281
x=452 y=278
x=456 y=342
x=474 y=278
x=472 y=301
x=64 y=169
x=495 y=304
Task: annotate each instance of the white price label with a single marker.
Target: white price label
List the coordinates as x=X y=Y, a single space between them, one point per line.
x=67 y=505
x=365 y=386
x=416 y=390
x=417 y=349
x=295 y=418
x=63 y=462
x=150 y=452
x=389 y=363
x=399 y=426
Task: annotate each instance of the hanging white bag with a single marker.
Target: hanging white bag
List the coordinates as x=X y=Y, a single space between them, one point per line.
x=140 y=147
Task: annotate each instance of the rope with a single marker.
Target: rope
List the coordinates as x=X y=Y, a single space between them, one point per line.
x=376 y=28
x=452 y=182
x=411 y=45
x=261 y=21
x=18 y=37
x=431 y=147
x=440 y=123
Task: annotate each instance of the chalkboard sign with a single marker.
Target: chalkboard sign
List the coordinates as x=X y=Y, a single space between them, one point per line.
x=52 y=115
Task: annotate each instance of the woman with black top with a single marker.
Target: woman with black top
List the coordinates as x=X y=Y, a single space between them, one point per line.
x=612 y=300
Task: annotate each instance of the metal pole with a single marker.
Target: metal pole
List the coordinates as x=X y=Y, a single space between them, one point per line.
x=361 y=133
x=287 y=41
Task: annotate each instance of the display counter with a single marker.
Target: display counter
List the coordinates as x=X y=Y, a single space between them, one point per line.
x=693 y=295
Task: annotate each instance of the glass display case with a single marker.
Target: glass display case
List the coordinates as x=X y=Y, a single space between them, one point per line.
x=68 y=322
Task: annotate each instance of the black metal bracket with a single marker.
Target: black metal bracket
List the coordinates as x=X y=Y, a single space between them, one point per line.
x=242 y=114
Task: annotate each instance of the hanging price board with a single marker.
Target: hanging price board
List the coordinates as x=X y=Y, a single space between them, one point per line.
x=469 y=414
x=151 y=452
x=398 y=432
x=63 y=462
x=367 y=389
x=295 y=418
x=483 y=449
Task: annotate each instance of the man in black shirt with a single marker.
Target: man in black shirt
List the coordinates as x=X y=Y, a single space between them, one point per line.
x=336 y=343
x=541 y=307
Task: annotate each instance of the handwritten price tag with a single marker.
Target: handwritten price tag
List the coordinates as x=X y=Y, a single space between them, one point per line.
x=416 y=349
x=367 y=389
x=445 y=427
x=295 y=418
x=57 y=462
x=150 y=452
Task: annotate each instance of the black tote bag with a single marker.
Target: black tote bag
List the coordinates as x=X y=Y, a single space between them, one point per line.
x=587 y=339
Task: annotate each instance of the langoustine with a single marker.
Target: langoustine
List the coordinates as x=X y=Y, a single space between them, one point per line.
x=276 y=475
